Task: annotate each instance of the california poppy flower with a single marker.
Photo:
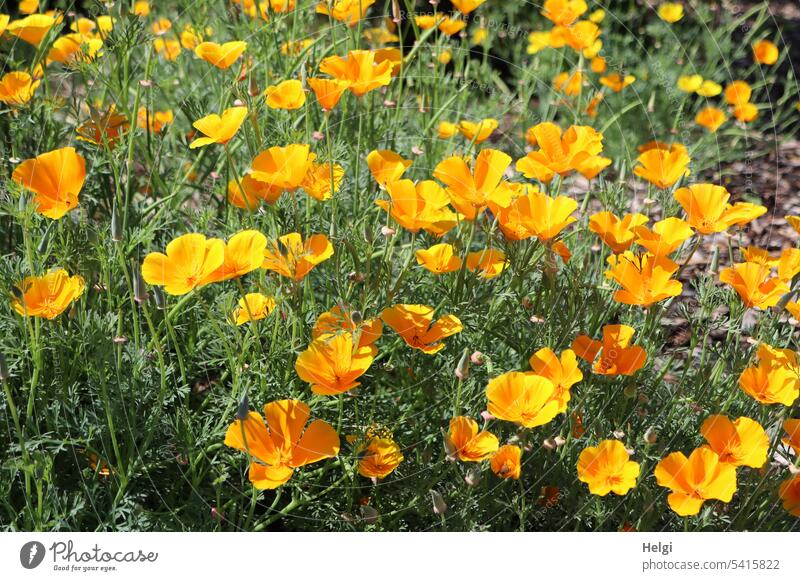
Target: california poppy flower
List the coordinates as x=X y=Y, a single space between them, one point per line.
x=168 y=47
x=328 y=91
x=347 y=11
x=332 y=364
x=708 y=89
x=789 y=492
x=56 y=178
x=618 y=234
x=446 y=130
x=689 y=83
x=564 y=12
x=792 y=429
x=522 y=398
x=189 y=262
x=753 y=283
x=742 y=442
x=538 y=41
x=466 y=6
x=386 y=166
x=738 y=93
x=32 y=29
x=282 y=443
x=746 y=112
x=379 y=458
x=414 y=323
x=338 y=320
x=192 y=38
x=663 y=167
x=471 y=190
x=616 y=81
x=322 y=180
x=477 y=132
x=253 y=307
x=562 y=372
x=488 y=263
x=665 y=237
x=693 y=480
x=451 y=25
x=300 y=258
x=536 y=215
x=154 y=121
x=391 y=55
x=765 y=52
x=576 y=149
x=580 y=36
x=103 y=128
x=247 y=193
x=74 y=48
x=570 y=84
x=607 y=468
x=283 y=169
x=47 y=296
x=221 y=56
x=439 y=259
x=645 y=279
x=423 y=206
x=428 y=21
x=288 y=95
x=219 y=128
x=467 y=443
x=670 y=12
x=708 y=211
x=507 y=462
x=711 y=118
x=244 y=253
x=359 y=69
x=774 y=379
x=616 y=354
x=17 y=88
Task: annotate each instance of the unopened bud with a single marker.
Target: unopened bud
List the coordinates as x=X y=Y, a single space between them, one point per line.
x=356 y=317
x=477 y=358
x=386 y=231
x=714 y=263
x=651 y=435
x=369 y=514
x=462 y=369
x=45 y=241
x=473 y=477
x=439 y=505
x=243 y=410
x=449 y=448
x=161 y=300
x=629 y=391
x=116 y=225
x=4 y=373
x=139 y=287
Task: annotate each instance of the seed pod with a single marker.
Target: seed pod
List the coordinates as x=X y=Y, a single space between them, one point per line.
x=4 y=373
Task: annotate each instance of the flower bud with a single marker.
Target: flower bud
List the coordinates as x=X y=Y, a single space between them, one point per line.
x=356 y=317
x=44 y=242
x=243 y=410
x=439 y=505
x=714 y=263
x=473 y=477
x=462 y=369
x=629 y=391
x=4 y=373
x=139 y=286
x=477 y=358
x=161 y=300
x=369 y=514
x=651 y=435
x=116 y=225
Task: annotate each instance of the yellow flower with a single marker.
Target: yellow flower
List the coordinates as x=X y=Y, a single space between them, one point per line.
x=645 y=279
x=467 y=444
x=170 y=48
x=666 y=236
x=742 y=442
x=47 y=296
x=386 y=166
x=618 y=234
x=708 y=211
x=709 y=89
x=754 y=285
x=439 y=259
x=17 y=88
x=616 y=82
x=287 y=95
x=711 y=118
x=328 y=91
x=221 y=56
x=188 y=263
x=323 y=180
x=477 y=132
x=670 y=12
x=360 y=70
x=607 y=468
x=414 y=323
x=348 y=11
x=380 y=458
x=616 y=354
x=690 y=83
x=564 y=12
x=219 y=128
x=74 y=48
x=576 y=149
x=775 y=378
x=487 y=263
x=663 y=167
x=300 y=258
x=562 y=372
x=538 y=41
x=283 y=169
x=332 y=364
x=506 y=462
x=471 y=190
x=569 y=84
x=522 y=398
x=32 y=29
x=244 y=253
x=56 y=178
x=764 y=52
x=253 y=307
x=466 y=6
x=693 y=480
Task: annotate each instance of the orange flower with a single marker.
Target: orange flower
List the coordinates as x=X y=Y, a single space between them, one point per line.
x=663 y=167
x=428 y=21
x=477 y=132
x=569 y=84
x=154 y=121
x=523 y=398
x=253 y=307
x=711 y=118
x=562 y=373
x=161 y=26
x=283 y=443
x=764 y=52
x=360 y=70
x=608 y=468
x=386 y=166
x=645 y=279
x=563 y=12
x=328 y=91
x=103 y=128
x=753 y=284
x=775 y=379
x=792 y=428
x=339 y=320
x=666 y=236
x=467 y=444
x=392 y=55
x=439 y=259
x=471 y=191
x=451 y=26
x=617 y=234
x=287 y=95
x=170 y=48
x=746 y=112
x=300 y=258
x=332 y=364
x=347 y=11
x=248 y=193
x=708 y=211
x=244 y=253
x=536 y=215
x=380 y=458
x=17 y=88
x=488 y=263
x=466 y=6
x=219 y=129
x=738 y=93
x=322 y=180
x=742 y=442
x=188 y=263
x=4 y=18
x=789 y=491
x=414 y=324
x=576 y=149
x=616 y=82
x=74 y=48
x=56 y=178
x=580 y=36
x=507 y=462
x=446 y=130
x=221 y=56
x=616 y=355
x=47 y=296
x=693 y=480
x=283 y=169
x=32 y=29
